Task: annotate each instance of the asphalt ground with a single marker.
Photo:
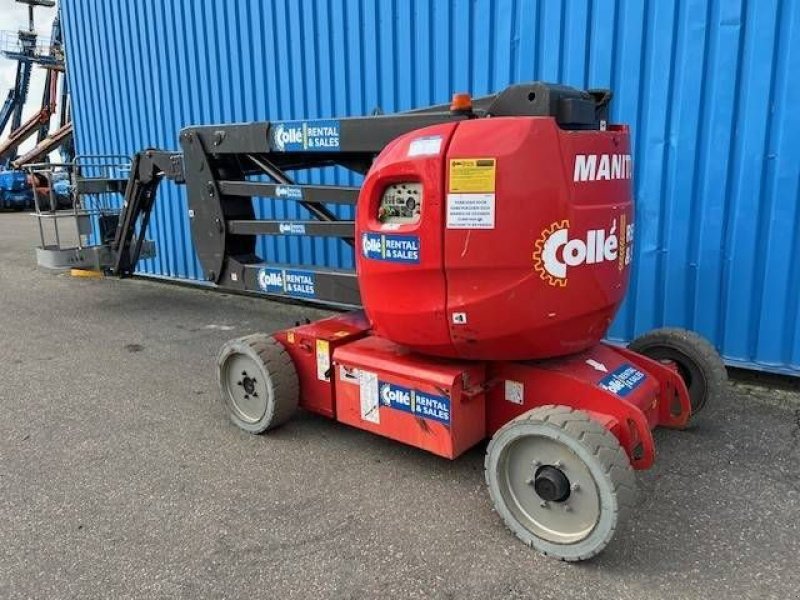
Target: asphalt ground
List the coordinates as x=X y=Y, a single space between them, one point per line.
x=120 y=475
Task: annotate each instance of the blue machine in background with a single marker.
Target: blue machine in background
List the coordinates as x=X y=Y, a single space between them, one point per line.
x=15 y=192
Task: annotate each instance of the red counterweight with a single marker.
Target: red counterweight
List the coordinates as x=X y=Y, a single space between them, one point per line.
x=434 y=404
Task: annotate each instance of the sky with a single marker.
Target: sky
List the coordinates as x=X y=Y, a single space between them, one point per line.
x=13 y=16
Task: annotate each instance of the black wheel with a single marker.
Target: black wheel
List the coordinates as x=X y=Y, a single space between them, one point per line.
x=560 y=481
x=258 y=382
x=697 y=361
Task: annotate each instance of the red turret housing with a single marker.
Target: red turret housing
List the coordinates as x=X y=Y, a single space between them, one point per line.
x=504 y=238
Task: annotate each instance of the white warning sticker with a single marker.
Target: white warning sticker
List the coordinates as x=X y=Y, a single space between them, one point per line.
x=515 y=391
x=368 y=384
x=470 y=211
x=425 y=146
x=348 y=374
x=323 y=360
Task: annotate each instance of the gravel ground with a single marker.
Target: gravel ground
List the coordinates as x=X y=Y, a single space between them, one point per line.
x=120 y=475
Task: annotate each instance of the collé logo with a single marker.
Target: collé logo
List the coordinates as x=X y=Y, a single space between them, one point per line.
x=391 y=248
x=623 y=380
x=395 y=395
x=291 y=192
x=556 y=251
x=292 y=228
x=305 y=136
x=422 y=404
x=372 y=245
x=270 y=280
x=284 y=136
x=290 y=282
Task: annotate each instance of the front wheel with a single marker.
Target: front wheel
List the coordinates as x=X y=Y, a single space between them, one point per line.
x=560 y=481
x=696 y=360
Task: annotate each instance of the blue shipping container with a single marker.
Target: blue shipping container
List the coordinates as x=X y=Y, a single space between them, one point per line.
x=710 y=88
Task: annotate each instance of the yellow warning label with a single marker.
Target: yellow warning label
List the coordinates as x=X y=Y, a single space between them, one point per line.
x=323 y=360
x=290 y=337
x=472 y=174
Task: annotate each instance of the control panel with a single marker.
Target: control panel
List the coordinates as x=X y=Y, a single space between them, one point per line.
x=401 y=203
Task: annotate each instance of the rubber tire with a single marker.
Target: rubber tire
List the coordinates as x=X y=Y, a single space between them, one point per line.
x=276 y=368
x=594 y=443
x=693 y=354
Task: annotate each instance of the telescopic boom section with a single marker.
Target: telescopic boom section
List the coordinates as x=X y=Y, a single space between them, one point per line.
x=225 y=166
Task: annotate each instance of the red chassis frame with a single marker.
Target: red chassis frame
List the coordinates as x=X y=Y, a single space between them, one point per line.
x=337 y=360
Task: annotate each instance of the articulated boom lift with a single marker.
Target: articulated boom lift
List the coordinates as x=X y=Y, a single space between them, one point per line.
x=493 y=241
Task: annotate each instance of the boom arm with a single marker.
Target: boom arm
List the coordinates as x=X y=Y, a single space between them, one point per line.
x=225 y=166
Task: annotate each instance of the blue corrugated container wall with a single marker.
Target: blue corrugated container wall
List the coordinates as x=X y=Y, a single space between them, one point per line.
x=710 y=87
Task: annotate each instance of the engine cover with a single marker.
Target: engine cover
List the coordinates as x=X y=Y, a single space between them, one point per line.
x=515 y=245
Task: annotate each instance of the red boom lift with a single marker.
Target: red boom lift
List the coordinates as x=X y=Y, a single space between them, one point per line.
x=493 y=242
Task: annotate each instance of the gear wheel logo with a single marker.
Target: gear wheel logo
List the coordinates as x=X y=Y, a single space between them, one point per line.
x=543 y=247
x=278 y=138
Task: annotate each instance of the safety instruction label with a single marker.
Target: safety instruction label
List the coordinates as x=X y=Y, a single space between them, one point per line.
x=368 y=392
x=291 y=282
x=623 y=380
x=391 y=248
x=422 y=404
x=472 y=175
x=323 y=360
x=470 y=211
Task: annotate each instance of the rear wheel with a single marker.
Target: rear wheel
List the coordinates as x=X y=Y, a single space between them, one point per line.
x=696 y=360
x=560 y=481
x=258 y=382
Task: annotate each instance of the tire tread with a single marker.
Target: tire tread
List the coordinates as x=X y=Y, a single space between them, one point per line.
x=276 y=361
x=599 y=441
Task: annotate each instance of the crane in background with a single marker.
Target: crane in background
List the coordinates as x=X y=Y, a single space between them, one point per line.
x=28 y=49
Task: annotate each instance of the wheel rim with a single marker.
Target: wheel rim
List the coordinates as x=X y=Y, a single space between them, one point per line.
x=245 y=388
x=692 y=376
x=538 y=504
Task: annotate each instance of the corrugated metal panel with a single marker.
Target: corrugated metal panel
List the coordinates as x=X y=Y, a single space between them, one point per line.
x=709 y=86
